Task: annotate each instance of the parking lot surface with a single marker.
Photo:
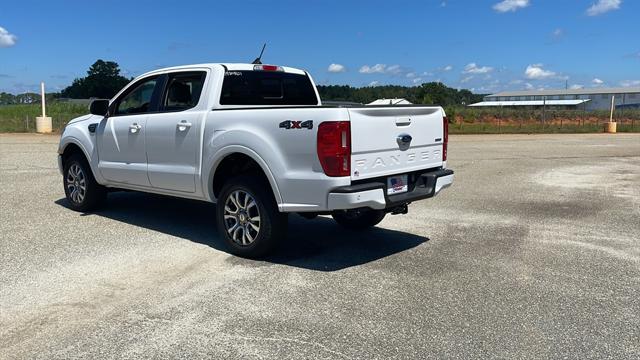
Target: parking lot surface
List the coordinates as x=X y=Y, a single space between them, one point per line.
x=534 y=252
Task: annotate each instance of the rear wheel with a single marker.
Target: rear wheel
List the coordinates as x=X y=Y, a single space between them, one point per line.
x=358 y=219
x=80 y=187
x=248 y=217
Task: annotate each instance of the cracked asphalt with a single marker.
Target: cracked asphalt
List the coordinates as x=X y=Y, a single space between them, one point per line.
x=533 y=253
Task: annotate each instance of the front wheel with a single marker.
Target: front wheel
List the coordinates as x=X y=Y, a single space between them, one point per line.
x=248 y=217
x=80 y=187
x=358 y=219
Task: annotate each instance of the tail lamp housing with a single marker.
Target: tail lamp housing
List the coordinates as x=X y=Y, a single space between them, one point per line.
x=334 y=148
x=445 y=137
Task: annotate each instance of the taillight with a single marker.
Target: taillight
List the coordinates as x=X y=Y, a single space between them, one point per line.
x=334 y=147
x=445 y=142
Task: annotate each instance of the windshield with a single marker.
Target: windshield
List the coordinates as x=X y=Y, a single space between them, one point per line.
x=267 y=88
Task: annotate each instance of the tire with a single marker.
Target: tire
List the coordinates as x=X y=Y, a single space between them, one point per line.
x=248 y=217
x=358 y=219
x=80 y=187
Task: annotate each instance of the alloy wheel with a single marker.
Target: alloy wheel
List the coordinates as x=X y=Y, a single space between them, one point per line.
x=242 y=217
x=76 y=183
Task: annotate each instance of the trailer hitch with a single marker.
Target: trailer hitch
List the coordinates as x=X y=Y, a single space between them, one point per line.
x=401 y=209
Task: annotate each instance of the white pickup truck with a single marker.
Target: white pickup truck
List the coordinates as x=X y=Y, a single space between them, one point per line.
x=257 y=140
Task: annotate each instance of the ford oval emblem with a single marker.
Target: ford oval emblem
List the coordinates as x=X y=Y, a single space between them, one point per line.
x=404 y=140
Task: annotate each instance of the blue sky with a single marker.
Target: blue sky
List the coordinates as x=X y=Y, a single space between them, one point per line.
x=483 y=45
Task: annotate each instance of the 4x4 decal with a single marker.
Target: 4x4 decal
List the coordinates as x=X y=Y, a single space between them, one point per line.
x=294 y=124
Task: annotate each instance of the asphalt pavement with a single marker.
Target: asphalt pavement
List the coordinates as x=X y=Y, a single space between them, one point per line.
x=534 y=252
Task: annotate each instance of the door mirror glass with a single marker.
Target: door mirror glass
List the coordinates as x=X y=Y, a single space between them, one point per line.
x=99 y=107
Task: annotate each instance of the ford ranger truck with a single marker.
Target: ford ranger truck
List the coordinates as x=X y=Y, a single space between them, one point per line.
x=256 y=140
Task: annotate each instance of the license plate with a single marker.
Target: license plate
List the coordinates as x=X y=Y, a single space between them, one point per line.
x=397 y=184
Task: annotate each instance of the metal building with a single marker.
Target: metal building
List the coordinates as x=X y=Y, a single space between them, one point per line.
x=588 y=99
x=390 y=102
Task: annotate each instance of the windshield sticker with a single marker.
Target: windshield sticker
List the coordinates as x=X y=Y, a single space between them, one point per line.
x=232 y=73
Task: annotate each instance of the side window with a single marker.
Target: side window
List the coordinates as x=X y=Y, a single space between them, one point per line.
x=183 y=91
x=137 y=100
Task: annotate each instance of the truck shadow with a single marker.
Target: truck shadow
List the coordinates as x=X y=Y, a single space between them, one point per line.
x=318 y=244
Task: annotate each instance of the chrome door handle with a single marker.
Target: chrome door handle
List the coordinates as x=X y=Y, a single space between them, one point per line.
x=403 y=121
x=183 y=125
x=134 y=128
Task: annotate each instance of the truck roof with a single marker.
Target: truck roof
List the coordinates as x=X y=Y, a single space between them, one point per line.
x=228 y=66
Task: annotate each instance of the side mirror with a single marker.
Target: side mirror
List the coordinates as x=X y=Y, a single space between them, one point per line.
x=99 y=107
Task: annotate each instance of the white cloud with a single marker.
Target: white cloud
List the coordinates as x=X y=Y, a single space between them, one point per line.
x=447 y=68
x=466 y=79
x=537 y=72
x=576 y=87
x=472 y=68
x=416 y=80
x=557 y=35
x=597 y=81
x=510 y=5
x=383 y=69
x=411 y=75
x=6 y=38
x=394 y=70
x=336 y=68
x=603 y=6
x=528 y=86
x=374 y=83
x=377 y=68
x=630 y=83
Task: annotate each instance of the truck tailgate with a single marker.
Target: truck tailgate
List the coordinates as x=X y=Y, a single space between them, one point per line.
x=380 y=145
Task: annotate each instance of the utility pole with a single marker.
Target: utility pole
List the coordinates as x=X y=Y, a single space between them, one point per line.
x=611 y=126
x=613 y=105
x=43 y=123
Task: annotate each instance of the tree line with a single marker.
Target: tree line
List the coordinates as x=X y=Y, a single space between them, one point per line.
x=104 y=80
x=427 y=93
x=26 y=98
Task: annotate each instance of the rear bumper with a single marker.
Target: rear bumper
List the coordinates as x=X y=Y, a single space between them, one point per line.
x=374 y=194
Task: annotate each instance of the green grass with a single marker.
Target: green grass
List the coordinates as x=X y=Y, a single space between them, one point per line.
x=528 y=128
x=22 y=118
x=468 y=114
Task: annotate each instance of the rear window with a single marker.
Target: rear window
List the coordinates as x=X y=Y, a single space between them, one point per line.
x=267 y=88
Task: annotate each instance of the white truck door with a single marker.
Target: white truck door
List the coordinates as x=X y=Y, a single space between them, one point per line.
x=173 y=133
x=121 y=136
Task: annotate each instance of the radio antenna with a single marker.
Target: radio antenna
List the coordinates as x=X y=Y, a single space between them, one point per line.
x=258 y=60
